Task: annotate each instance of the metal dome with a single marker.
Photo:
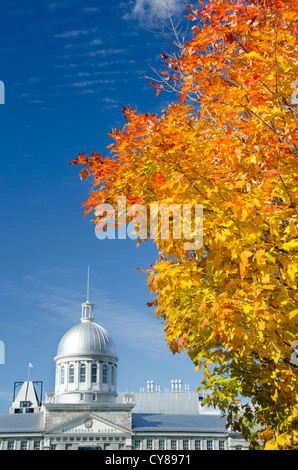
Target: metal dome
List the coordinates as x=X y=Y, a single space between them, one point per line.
x=87 y=337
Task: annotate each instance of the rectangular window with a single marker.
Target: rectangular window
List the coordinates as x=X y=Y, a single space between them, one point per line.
x=209 y=445
x=36 y=445
x=10 y=445
x=198 y=444
x=25 y=404
x=24 y=445
x=221 y=445
x=161 y=444
x=137 y=444
x=185 y=444
x=173 y=444
x=149 y=444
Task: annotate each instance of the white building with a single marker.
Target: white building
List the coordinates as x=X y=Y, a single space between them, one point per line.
x=85 y=411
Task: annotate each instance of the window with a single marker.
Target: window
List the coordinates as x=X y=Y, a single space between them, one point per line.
x=36 y=445
x=161 y=444
x=82 y=396
x=104 y=374
x=185 y=444
x=24 y=445
x=137 y=444
x=209 y=445
x=173 y=444
x=198 y=444
x=221 y=445
x=83 y=373
x=62 y=375
x=94 y=373
x=25 y=404
x=10 y=445
x=71 y=375
x=94 y=396
x=149 y=444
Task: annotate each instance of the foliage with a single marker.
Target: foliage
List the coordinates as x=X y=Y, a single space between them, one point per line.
x=229 y=142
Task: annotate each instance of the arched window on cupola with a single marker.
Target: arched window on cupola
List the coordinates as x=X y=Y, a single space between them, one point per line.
x=113 y=376
x=71 y=375
x=62 y=377
x=105 y=374
x=83 y=373
x=94 y=373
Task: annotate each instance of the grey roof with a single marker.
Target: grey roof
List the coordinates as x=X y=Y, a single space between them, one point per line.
x=144 y=422
x=21 y=423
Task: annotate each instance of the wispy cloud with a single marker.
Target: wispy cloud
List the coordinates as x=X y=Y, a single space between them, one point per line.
x=146 y=9
x=52 y=5
x=58 y=295
x=91 y=9
x=72 y=34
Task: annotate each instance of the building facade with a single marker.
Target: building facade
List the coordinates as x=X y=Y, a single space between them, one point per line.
x=86 y=413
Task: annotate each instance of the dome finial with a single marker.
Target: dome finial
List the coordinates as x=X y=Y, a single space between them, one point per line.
x=87 y=307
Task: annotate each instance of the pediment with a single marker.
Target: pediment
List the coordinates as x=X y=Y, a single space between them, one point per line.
x=88 y=424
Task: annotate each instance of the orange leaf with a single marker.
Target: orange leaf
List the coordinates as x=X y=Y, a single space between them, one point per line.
x=183 y=97
x=84 y=174
x=182 y=340
x=270 y=173
x=154 y=85
x=205 y=321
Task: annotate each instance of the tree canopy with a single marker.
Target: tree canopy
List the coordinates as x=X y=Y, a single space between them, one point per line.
x=228 y=141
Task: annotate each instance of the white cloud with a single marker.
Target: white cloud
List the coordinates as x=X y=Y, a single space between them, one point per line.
x=146 y=9
x=62 y=4
x=59 y=303
x=91 y=10
x=71 y=34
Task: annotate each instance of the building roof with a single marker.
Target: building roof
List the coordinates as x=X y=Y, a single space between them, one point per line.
x=141 y=422
x=145 y=422
x=21 y=423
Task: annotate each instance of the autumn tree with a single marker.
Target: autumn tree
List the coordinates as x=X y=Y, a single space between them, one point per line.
x=228 y=141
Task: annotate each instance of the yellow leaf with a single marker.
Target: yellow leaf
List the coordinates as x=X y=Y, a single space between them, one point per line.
x=244 y=257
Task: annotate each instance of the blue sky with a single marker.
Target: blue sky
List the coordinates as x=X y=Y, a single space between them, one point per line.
x=69 y=66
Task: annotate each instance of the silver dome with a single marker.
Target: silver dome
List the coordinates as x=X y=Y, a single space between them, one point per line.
x=87 y=337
